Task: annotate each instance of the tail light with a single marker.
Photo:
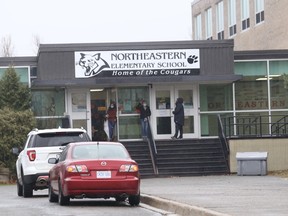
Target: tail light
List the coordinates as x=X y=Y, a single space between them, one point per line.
x=128 y=168
x=31 y=155
x=77 y=168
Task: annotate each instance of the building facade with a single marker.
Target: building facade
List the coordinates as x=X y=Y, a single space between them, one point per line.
x=260 y=45
x=260 y=55
x=252 y=24
x=81 y=80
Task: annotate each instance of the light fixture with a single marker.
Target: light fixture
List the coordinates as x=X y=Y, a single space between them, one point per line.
x=263 y=78
x=96 y=90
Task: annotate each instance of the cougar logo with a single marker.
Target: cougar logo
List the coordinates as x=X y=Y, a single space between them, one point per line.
x=93 y=64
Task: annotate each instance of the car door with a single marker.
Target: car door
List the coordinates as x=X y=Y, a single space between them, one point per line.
x=55 y=172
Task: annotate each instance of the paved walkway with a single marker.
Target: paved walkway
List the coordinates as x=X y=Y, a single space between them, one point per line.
x=218 y=195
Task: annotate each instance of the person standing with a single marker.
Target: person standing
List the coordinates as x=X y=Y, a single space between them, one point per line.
x=178 y=118
x=111 y=115
x=145 y=114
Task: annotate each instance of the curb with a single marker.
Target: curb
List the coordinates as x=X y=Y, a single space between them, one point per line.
x=178 y=208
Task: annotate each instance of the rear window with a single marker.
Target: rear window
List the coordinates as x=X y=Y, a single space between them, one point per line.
x=100 y=152
x=58 y=139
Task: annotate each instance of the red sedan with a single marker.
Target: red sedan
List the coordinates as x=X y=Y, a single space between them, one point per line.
x=94 y=170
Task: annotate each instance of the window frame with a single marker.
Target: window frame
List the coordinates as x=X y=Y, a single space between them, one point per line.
x=220 y=20
x=198 y=27
x=259 y=12
x=208 y=23
x=245 y=17
x=232 y=17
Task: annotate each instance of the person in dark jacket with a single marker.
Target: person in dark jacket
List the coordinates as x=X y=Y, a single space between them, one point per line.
x=145 y=114
x=111 y=115
x=178 y=118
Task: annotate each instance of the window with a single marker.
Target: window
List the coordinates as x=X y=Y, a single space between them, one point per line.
x=248 y=121
x=259 y=11
x=251 y=93
x=278 y=78
x=232 y=17
x=22 y=72
x=128 y=117
x=216 y=97
x=209 y=123
x=47 y=104
x=33 y=72
x=208 y=20
x=220 y=21
x=198 y=28
x=245 y=14
x=128 y=99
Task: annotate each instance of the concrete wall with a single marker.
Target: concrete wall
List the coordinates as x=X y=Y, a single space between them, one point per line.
x=4 y=175
x=277 y=149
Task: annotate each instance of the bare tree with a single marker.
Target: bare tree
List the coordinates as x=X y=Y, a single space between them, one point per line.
x=36 y=40
x=7 y=48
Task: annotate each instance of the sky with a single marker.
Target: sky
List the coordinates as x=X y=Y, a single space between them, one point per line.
x=92 y=21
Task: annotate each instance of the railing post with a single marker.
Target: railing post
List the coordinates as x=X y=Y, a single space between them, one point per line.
x=152 y=149
x=260 y=126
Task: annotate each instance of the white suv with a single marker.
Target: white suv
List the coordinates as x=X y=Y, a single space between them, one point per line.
x=32 y=165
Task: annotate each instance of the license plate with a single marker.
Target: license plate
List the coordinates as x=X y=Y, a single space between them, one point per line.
x=103 y=174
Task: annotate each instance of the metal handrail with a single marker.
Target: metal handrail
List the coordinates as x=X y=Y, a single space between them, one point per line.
x=152 y=149
x=280 y=124
x=255 y=126
x=223 y=140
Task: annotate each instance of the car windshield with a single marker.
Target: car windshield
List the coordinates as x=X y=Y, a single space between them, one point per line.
x=58 y=138
x=106 y=151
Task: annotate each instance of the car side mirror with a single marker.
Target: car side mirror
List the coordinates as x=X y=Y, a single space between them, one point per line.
x=53 y=160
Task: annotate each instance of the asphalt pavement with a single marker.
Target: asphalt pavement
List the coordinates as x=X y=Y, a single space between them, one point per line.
x=218 y=195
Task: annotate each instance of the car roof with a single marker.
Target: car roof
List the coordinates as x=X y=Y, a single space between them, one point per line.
x=55 y=130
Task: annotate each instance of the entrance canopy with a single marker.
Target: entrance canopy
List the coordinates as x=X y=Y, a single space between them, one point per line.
x=110 y=64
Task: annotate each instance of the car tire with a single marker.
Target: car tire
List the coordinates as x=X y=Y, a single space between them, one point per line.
x=52 y=196
x=19 y=189
x=26 y=188
x=134 y=200
x=62 y=200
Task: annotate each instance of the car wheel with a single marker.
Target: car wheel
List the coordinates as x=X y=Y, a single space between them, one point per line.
x=134 y=200
x=19 y=189
x=62 y=200
x=120 y=199
x=27 y=190
x=52 y=196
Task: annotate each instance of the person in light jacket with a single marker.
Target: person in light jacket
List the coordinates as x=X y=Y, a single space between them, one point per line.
x=178 y=118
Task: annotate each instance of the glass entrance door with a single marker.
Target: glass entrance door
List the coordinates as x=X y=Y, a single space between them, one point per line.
x=163 y=104
x=189 y=95
x=79 y=108
x=162 y=107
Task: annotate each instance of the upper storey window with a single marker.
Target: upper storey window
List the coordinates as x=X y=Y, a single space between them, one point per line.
x=259 y=11
x=245 y=14
x=232 y=17
x=198 y=28
x=208 y=22
x=220 y=21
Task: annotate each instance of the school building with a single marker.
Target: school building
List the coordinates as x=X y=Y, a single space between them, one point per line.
x=236 y=67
